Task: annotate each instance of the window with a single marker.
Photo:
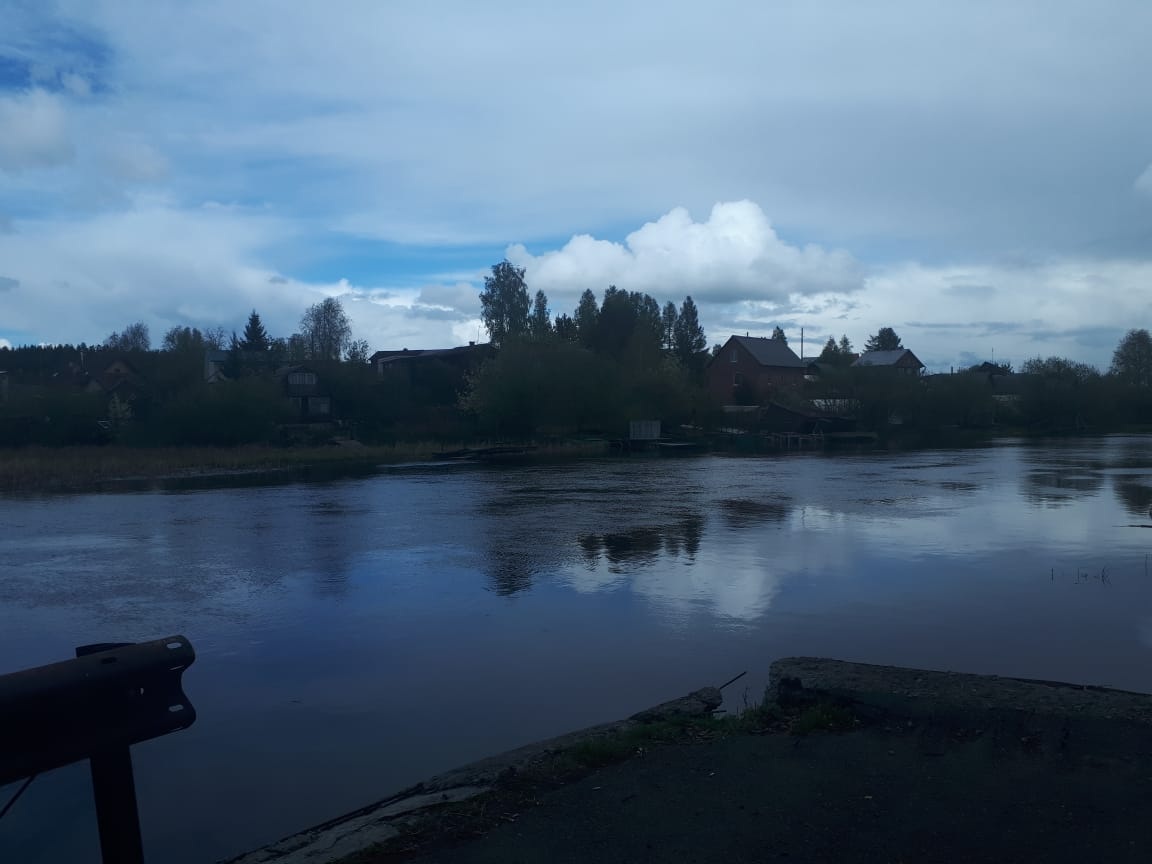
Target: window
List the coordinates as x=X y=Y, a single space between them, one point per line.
x=732 y=356
x=302 y=379
x=737 y=379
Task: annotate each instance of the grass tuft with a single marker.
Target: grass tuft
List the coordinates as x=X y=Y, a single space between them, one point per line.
x=825 y=717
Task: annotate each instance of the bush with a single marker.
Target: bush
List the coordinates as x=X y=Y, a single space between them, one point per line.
x=225 y=414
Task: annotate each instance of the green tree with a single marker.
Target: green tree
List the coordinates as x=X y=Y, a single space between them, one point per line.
x=565 y=328
x=134 y=337
x=648 y=334
x=296 y=348
x=689 y=336
x=668 y=319
x=837 y=353
x=778 y=335
x=587 y=318
x=1132 y=359
x=540 y=322
x=885 y=339
x=504 y=304
x=1062 y=393
x=357 y=352
x=183 y=340
x=617 y=321
x=255 y=337
x=215 y=337
x=831 y=352
x=326 y=330
x=556 y=387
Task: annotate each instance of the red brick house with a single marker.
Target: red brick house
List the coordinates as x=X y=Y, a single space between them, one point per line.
x=751 y=368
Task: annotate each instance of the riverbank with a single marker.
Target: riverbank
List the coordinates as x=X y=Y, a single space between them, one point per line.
x=93 y=469
x=842 y=762
x=45 y=470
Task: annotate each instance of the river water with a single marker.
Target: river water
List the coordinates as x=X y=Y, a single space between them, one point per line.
x=356 y=636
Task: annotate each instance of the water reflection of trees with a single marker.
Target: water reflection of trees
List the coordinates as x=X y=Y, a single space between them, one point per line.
x=1133 y=489
x=644 y=544
x=510 y=571
x=1133 y=493
x=747 y=513
x=1059 y=485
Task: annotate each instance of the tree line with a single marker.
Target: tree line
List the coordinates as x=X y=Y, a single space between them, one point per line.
x=620 y=356
x=622 y=320
x=1047 y=394
x=325 y=334
x=63 y=394
x=624 y=356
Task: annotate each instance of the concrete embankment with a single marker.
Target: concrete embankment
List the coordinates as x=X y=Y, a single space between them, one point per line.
x=389 y=818
x=843 y=762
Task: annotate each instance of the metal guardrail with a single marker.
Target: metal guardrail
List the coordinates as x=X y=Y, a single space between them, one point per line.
x=95 y=707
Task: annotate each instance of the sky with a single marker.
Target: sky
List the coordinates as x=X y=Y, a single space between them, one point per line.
x=976 y=175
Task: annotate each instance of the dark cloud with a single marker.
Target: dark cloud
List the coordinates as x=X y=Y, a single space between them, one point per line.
x=8 y=284
x=1088 y=337
x=978 y=328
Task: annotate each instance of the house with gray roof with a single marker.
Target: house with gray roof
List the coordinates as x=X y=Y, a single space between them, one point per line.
x=901 y=360
x=749 y=369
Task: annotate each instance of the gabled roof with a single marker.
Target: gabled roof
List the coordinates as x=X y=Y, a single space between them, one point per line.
x=383 y=357
x=769 y=352
x=884 y=358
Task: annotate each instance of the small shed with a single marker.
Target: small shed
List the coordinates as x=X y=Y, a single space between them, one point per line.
x=644 y=430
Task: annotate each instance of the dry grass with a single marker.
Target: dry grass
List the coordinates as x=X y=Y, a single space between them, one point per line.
x=42 y=469
x=77 y=469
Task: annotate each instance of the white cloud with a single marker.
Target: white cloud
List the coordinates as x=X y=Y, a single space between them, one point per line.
x=35 y=131
x=847 y=120
x=954 y=315
x=4 y=343
x=75 y=84
x=735 y=253
x=205 y=266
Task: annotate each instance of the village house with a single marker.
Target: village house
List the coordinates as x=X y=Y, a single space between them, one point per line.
x=304 y=392
x=463 y=358
x=122 y=385
x=750 y=368
x=901 y=360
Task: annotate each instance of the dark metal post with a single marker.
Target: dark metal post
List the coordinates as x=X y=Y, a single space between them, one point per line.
x=114 y=789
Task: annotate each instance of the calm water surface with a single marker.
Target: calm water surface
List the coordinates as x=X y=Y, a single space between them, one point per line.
x=354 y=637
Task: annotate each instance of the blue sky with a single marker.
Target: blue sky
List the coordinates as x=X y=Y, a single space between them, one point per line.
x=978 y=176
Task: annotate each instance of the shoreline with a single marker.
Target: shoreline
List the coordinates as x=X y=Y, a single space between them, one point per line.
x=69 y=470
x=111 y=468
x=864 y=711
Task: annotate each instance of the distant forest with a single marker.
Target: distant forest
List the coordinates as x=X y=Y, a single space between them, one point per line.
x=543 y=375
